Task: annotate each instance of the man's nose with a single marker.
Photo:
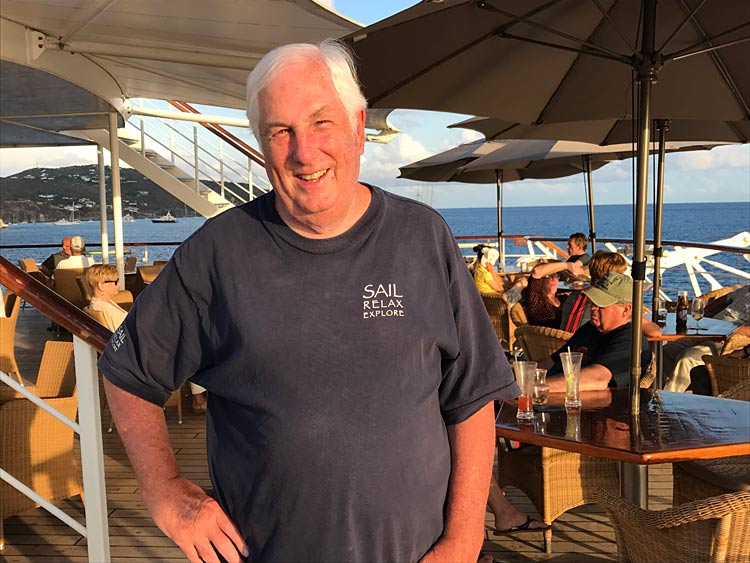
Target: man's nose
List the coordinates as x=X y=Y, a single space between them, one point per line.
x=305 y=146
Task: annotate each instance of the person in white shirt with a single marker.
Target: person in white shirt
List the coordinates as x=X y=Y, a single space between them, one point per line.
x=76 y=258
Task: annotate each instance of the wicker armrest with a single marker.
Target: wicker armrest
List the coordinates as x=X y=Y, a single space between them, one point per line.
x=695 y=531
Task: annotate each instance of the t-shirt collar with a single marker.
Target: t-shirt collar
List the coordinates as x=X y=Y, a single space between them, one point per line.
x=358 y=232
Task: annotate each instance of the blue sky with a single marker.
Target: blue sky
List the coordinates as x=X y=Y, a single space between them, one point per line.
x=722 y=174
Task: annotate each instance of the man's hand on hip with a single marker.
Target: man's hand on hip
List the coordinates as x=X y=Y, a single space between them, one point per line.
x=195 y=522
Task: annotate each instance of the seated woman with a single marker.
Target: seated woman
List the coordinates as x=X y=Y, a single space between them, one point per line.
x=104 y=281
x=543 y=307
x=488 y=281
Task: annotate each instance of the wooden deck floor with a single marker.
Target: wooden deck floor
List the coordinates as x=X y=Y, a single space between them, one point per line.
x=582 y=535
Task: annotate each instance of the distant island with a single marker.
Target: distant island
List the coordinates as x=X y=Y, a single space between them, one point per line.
x=48 y=194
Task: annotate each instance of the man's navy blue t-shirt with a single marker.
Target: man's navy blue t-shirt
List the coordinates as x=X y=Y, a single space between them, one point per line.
x=332 y=367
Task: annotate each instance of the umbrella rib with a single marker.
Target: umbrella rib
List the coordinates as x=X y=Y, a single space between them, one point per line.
x=688 y=51
x=682 y=24
x=525 y=19
x=612 y=23
x=580 y=50
x=721 y=67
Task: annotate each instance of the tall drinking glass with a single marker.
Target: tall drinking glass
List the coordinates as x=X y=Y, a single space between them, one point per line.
x=525 y=374
x=571 y=364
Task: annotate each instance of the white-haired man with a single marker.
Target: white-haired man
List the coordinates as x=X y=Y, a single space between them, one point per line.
x=350 y=379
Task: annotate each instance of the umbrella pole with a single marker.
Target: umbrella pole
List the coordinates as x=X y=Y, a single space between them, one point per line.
x=590 y=187
x=661 y=126
x=634 y=485
x=500 y=245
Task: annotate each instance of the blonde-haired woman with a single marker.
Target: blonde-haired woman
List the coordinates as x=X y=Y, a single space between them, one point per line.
x=488 y=280
x=104 y=282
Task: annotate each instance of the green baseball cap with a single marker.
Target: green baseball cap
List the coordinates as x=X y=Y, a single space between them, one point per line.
x=610 y=289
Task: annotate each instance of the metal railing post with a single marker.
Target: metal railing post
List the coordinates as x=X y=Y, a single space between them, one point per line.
x=143 y=138
x=195 y=154
x=221 y=167
x=171 y=143
x=92 y=451
x=250 y=190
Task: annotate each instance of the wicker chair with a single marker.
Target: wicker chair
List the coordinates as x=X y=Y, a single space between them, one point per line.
x=37 y=449
x=555 y=480
x=739 y=392
x=56 y=376
x=518 y=314
x=709 y=530
x=12 y=304
x=29 y=266
x=497 y=308
x=67 y=286
x=539 y=342
x=130 y=262
x=726 y=372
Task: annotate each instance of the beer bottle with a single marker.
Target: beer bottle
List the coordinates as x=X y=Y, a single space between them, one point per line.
x=682 y=311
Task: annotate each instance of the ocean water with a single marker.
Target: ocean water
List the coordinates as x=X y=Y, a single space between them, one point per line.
x=693 y=222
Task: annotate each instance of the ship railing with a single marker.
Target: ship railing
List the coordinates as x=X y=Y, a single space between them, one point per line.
x=88 y=338
x=209 y=152
x=705 y=266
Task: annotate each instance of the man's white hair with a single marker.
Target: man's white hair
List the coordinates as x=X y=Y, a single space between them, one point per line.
x=334 y=54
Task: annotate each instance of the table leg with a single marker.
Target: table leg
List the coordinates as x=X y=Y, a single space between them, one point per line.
x=634 y=483
x=659 y=353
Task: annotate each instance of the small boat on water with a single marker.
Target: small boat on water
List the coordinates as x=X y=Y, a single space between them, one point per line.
x=71 y=221
x=128 y=218
x=168 y=218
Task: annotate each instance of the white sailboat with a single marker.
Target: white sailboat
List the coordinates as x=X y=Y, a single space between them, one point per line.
x=72 y=220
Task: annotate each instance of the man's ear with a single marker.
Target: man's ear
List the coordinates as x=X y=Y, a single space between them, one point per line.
x=627 y=309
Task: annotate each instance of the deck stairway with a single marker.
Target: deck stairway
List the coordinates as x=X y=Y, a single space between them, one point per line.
x=202 y=165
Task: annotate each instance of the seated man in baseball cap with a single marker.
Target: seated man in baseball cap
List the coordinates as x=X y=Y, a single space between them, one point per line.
x=604 y=340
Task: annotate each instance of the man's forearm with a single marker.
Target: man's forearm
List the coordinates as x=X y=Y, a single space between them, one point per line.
x=472 y=451
x=143 y=431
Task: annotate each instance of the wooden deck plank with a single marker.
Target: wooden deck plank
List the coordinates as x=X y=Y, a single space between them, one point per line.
x=582 y=535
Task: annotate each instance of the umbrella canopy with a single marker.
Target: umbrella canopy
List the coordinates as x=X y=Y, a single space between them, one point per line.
x=478 y=162
x=541 y=62
x=608 y=131
x=538 y=61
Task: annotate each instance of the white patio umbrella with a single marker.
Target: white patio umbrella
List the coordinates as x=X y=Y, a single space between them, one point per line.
x=484 y=162
x=539 y=62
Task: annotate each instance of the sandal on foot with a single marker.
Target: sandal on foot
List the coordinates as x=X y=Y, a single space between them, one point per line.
x=521 y=528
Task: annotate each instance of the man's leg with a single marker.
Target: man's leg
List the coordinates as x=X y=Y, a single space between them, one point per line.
x=685 y=358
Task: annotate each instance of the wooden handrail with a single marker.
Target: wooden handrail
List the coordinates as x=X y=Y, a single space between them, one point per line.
x=52 y=305
x=223 y=134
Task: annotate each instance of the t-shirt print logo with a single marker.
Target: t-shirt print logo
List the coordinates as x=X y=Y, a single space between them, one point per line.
x=117 y=339
x=382 y=300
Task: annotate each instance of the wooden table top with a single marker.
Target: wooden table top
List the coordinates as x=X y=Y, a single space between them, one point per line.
x=671 y=426
x=711 y=329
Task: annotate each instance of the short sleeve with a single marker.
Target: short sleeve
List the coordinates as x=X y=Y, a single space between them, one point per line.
x=480 y=373
x=159 y=345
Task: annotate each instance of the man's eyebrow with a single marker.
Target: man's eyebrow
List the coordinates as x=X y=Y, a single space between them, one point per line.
x=317 y=113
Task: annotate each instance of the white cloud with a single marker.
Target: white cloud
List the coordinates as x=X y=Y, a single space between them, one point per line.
x=469 y=135
x=19 y=159
x=380 y=163
x=735 y=156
